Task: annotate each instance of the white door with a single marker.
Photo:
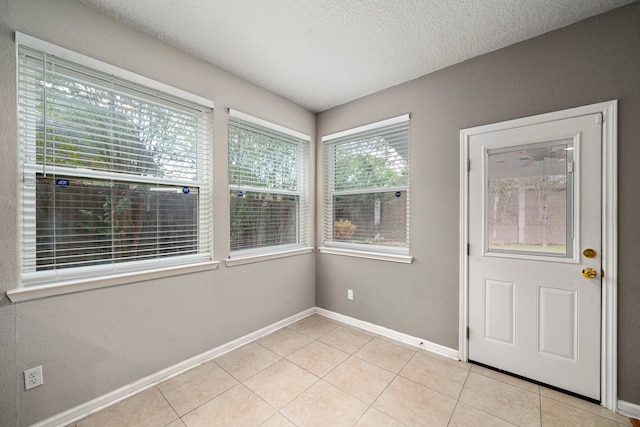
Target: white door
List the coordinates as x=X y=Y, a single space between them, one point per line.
x=535 y=252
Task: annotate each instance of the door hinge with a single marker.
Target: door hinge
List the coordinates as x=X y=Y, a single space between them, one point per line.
x=468 y=165
x=468 y=249
x=599 y=118
x=601 y=273
x=467 y=332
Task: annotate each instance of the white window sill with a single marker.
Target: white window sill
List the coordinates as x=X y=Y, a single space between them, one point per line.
x=380 y=256
x=70 y=286
x=249 y=259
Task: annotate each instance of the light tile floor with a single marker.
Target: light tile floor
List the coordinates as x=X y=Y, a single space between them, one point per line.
x=318 y=372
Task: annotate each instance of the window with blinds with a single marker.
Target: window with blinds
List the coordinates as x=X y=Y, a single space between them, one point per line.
x=366 y=183
x=268 y=168
x=115 y=176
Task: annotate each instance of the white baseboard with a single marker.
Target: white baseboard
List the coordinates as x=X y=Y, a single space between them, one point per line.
x=628 y=409
x=115 y=396
x=390 y=333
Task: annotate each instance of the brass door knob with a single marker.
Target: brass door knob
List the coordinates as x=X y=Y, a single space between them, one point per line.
x=589 y=273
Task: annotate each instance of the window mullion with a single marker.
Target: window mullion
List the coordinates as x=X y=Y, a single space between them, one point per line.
x=373 y=190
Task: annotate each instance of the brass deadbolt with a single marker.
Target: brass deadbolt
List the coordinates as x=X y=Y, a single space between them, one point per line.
x=589 y=253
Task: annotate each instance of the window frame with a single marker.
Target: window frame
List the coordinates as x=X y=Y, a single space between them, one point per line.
x=65 y=280
x=302 y=141
x=354 y=249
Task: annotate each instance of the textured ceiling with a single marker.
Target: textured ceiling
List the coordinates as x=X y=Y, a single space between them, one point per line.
x=323 y=53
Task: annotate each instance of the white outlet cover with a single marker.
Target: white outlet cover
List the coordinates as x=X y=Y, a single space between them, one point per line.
x=349 y=294
x=33 y=378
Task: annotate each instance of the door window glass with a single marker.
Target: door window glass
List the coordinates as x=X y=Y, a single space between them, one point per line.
x=529 y=199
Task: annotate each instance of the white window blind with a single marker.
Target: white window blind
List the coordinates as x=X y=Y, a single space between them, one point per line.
x=116 y=176
x=268 y=186
x=366 y=181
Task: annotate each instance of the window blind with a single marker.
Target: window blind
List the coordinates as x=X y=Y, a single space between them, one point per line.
x=268 y=187
x=116 y=176
x=366 y=181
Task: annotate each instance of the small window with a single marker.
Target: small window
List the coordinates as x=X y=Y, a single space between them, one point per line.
x=116 y=176
x=529 y=192
x=268 y=186
x=366 y=181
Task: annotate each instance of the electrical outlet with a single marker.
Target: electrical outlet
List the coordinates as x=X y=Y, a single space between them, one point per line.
x=33 y=378
x=350 y=294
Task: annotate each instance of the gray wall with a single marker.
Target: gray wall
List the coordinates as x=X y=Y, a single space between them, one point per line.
x=592 y=61
x=90 y=343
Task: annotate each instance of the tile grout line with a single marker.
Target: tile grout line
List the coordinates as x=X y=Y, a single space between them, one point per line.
x=350 y=355
x=590 y=407
x=459 y=395
x=277 y=411
x=169 y=403
x=490 y=413
x=353 y=355
x=208 y=401
x=582 y=409
x=319 y=378
x=381 y=393
x=396 y=375
x=540 y=403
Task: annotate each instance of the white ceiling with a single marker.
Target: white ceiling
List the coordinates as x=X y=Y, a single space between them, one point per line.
x=323 y=53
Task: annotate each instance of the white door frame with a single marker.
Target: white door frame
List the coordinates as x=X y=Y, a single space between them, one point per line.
x=609 y=110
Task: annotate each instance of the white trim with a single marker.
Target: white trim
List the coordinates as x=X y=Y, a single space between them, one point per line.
x=390 y=333
x=366 y=247
x=246 y=188
x=380 y=256
x=122 y=393
x=463 y=323
x=372 y=190
x=608 y=109
x=628 y=409
x=249 y=259
x=65 y=171
x=264 y=123
x=609 y=316
x=388 y=122
x=27 y=40
x=70 y=286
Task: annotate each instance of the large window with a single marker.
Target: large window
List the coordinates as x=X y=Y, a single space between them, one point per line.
x=268 y=167
x=366 y=182
x=116 y=176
